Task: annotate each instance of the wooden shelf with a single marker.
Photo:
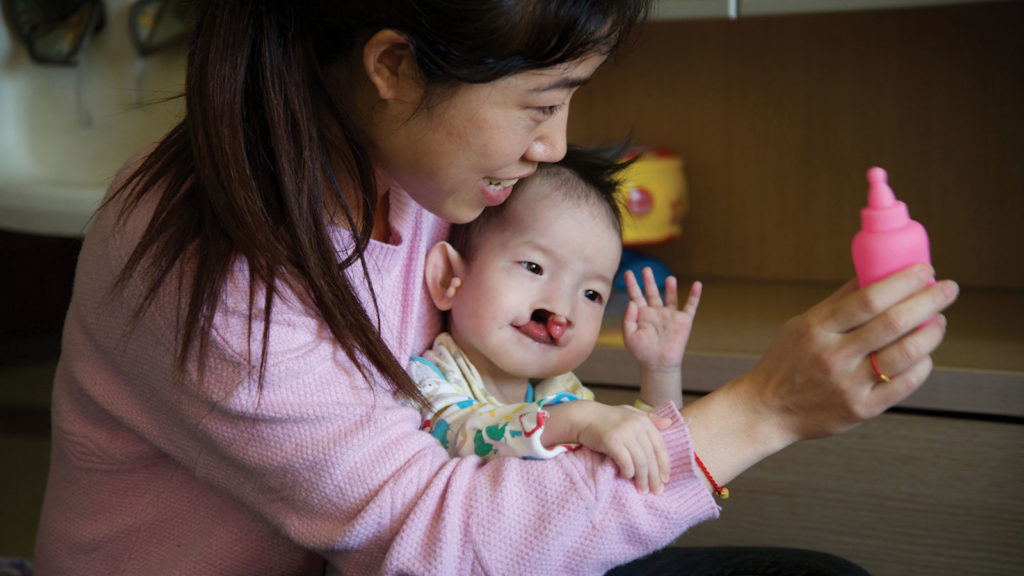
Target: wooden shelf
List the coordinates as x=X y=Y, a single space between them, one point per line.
x=979 y=369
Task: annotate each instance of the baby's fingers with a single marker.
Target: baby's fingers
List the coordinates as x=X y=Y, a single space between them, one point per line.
x=623 y=460
x=651 y=287
x=651 y=462
x=693 y=300
x=649 y=294
x=657 y=470
x=642 y=480
x=629 y=457
x=646 y=478
x=633 y=288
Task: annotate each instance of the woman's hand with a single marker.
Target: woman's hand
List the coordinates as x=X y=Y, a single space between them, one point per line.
x=816 y=378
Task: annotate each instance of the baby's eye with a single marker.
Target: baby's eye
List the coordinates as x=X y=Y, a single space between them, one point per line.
x=532 y=267
x=593 y=296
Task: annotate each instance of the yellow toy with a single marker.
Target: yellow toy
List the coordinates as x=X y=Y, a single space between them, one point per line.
x=653 y=191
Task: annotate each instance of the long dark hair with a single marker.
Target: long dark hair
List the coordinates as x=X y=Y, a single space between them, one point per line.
x=251 y=170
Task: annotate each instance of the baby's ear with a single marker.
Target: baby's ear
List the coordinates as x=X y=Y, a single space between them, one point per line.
x=442 y=273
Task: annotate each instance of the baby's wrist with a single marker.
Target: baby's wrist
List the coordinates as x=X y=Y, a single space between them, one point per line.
x=564 y=423
x=656 y=373
x=656 y=382
x=661 y=371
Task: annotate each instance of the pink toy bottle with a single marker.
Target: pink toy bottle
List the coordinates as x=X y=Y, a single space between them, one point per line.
x=888 y=240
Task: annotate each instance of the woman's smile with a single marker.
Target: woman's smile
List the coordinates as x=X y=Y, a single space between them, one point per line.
x=497 y=191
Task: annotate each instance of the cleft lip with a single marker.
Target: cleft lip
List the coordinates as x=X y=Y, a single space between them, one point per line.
x=540 y=316
x=536 y=328
x=545 y=326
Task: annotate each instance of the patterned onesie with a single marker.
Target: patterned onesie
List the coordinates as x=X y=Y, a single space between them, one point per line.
x=466 y=419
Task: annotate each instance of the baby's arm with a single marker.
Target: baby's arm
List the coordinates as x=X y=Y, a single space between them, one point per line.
x=656 y=335
x=467 y=426
x=627 y=435
x=553 y=424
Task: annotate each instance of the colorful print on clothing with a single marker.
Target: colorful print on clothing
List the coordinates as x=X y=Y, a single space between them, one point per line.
x=467 y=420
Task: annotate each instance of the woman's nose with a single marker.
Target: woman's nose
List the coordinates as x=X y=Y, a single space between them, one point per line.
x=549 y=144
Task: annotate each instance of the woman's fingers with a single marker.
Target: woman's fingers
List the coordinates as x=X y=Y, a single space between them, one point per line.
x=887 y=394
x=899 y=321
x=891 y=361
x=850 y=308
x=817 y=379
x=899 y=369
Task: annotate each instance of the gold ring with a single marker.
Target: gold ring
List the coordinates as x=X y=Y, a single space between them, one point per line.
x=883 y=378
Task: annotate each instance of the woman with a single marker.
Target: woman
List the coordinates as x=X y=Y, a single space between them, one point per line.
x=226 y=402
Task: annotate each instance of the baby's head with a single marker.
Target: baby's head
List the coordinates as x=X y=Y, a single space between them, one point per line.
x=526 y=283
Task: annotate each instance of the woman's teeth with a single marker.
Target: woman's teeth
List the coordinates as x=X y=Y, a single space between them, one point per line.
x=499 y=184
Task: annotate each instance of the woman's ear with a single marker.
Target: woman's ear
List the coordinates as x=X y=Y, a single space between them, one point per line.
x=391 y=66
x=442 y=274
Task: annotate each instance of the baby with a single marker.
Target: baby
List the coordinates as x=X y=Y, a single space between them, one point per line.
x=525 y=287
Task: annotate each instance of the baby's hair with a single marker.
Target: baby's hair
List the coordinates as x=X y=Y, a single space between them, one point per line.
x=585 y=173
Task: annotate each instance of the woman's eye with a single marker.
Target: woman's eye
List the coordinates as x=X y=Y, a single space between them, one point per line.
x=532 y=267
x=593 y=296
x=548 y=111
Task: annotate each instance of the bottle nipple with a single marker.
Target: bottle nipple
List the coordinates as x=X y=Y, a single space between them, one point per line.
x=880 y=195
x=884 y=211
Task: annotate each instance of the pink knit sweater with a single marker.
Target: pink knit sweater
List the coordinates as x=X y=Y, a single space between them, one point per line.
x=152 y=475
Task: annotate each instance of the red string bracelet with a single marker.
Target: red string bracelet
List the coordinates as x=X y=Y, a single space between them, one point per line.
x=721 y=491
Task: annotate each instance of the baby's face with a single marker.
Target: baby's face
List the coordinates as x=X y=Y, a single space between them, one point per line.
x=532 y=299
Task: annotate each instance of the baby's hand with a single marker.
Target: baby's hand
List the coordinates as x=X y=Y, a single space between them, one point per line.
x=631 y=438
x=656 y=334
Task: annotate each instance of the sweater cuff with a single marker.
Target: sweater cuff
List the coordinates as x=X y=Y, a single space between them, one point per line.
x=686 y=481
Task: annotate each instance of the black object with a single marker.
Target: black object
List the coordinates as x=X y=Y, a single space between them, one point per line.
x=55 y=30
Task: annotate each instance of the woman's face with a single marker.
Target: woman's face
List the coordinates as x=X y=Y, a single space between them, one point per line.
x=464 y=153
